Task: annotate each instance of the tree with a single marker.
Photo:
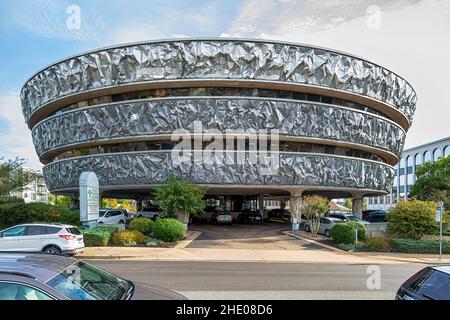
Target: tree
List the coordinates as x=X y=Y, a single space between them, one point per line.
x=314 y=207
x=59 y=201
x=113 y=203
x=180 y=198
x=348 y=203
x=413 y=219
x=433 y=182
x=13 y=176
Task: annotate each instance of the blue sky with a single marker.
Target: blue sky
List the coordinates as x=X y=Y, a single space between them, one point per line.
x=409 y=37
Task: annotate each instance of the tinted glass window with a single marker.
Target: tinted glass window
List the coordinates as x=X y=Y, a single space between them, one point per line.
x=36 y=230
x=431 y=284
x=15 y=291
x=53 y=230
x=14 y=232
x=73 y=230
x=101 y=213
x=82 y=281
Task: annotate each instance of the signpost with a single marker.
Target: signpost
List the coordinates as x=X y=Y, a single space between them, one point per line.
x=439 y=214
x=89 y=199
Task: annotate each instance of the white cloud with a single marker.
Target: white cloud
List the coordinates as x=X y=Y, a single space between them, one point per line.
x=170 y=23
x=412 y=41
x=49 y=18
x=15 y=138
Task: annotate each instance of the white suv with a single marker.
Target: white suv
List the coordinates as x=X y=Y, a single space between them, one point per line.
x=49 y=238
x=111 y=216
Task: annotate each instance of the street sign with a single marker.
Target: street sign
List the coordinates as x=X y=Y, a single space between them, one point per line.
x=439 y=214
x=89 y=197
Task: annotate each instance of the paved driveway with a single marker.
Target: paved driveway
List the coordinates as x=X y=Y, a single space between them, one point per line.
x=267 y=236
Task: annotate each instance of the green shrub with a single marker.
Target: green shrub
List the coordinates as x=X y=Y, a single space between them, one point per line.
x=346 y=247
x=143 y=225
x=11 y=200
x=343 y=233
x=153 y=242
x=99 y=236
x=413 y=219
x=361 y=229
x=128 y=238
x=168 y=230
x=17 y=213
x=420 y=246
x=379 y=244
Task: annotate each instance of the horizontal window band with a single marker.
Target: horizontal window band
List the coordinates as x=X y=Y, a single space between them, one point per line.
x=238 y=144
x=385 y=109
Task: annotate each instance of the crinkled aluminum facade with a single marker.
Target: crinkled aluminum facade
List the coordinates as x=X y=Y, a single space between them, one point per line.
x=152 y=168
x=217 y=59
x=222 y=63
x=162 y=117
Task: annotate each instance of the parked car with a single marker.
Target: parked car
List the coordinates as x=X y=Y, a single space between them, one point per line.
x=346 y=217
x=279 y=215
x=111 y=216
x=374 y=215
x=129 y=215
x=430 y=283
x=326 y=223
x=34 y=276
x=249 y=217
x=49 y=238
x=153 y=212
x=221 y=218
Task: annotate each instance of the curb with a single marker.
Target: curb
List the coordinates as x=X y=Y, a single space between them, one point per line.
x=362 y=255
x=185 y=242
x=293 y=235
x=182 y=244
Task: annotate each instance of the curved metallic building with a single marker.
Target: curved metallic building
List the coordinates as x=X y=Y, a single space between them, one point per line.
x=342 y=120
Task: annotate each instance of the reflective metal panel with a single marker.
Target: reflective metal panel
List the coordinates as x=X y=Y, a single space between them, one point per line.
x=292 y=118
x=217 y=59
x=150 y=168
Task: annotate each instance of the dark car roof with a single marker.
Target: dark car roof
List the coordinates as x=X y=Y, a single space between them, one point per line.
x=39 y=266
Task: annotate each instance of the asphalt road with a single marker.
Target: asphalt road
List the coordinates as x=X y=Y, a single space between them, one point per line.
x=243 y=280
x=267 y=236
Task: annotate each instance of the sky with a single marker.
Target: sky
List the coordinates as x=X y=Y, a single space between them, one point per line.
x=409 y=37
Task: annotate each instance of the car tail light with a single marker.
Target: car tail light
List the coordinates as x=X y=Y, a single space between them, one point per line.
x=67 y=236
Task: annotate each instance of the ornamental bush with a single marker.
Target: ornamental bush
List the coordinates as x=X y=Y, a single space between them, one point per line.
x=343 y=233
x=361 y=229
x=99 y=236
x=346 y=247
x=168 y=230
x=413 y=219
x=420 y=246
x=379 y=244
x=17 y=213
x=143 y=225
x=128 y=238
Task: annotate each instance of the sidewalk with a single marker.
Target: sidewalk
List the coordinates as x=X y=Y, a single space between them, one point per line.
x=180 y=253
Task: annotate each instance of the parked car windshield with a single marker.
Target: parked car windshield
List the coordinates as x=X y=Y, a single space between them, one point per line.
x=101 y=213
x=431 y=284
x=82 y=281
x=353 y=218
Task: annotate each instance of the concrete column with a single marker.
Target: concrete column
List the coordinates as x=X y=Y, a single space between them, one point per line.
x=74 y=202
x=295 y=206
x=357 y=207
x=261 y=205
